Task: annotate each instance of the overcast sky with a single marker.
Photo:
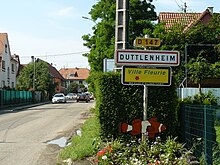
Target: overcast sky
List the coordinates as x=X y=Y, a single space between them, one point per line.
x=52 y=29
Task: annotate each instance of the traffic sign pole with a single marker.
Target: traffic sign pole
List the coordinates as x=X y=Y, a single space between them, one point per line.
x=145 y=105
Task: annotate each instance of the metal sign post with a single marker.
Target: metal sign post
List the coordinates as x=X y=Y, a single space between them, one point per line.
x=145 y=108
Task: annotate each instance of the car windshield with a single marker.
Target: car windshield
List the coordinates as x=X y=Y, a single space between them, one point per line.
x=69 y=94
x=59 y=95
x=82 y=94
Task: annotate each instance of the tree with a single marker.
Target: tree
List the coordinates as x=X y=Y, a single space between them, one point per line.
x=199 y=70
x=73 y=87
x=205 y=35
x=102 y=42
x=42 y=77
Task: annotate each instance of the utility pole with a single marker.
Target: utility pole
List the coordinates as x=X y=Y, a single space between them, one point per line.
x=121 y=25
x=33 y=60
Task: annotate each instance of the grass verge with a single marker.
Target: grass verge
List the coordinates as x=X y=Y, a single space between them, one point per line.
x=84 y=145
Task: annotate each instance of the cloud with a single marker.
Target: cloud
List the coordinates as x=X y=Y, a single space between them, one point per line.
x=65 y=11
x=69 y=11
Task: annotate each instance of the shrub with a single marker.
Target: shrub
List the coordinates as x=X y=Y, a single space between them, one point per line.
x=203 y=98
x=144 y=152
x=117 y=103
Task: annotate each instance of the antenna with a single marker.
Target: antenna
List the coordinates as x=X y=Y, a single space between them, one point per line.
x=182 y=7
x=185 y=7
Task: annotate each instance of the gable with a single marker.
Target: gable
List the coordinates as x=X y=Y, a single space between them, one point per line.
x=74 y=73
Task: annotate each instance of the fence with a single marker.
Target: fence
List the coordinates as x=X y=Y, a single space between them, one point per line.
x=200 y=128
x=185 y=92
x=10 y=98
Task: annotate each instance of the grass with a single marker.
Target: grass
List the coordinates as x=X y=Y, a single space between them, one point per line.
x=85 y=145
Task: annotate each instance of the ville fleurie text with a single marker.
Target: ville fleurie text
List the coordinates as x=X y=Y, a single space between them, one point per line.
x=146 y=76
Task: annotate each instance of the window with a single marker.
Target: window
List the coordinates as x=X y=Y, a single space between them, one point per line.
x=80 y=82
x=3 y=65
x=12 y=68
x=12 y=85
x=3 y=83
x=72 y=75
x=8 y=73
x=6 y=48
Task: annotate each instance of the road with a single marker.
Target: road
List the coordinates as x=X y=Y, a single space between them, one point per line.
x=24 y=135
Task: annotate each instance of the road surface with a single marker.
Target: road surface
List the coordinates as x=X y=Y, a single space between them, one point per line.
x=25 y=135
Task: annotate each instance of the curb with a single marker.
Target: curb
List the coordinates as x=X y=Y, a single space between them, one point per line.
x=14 y=109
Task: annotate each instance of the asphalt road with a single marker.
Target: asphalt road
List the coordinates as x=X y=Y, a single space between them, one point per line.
x=25 y=135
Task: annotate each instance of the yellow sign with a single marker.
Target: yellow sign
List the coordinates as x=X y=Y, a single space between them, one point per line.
x=151 y=76
x=145 y=42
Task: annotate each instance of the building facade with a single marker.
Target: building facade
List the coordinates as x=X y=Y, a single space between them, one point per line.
x=75 y=75
x=8 y=64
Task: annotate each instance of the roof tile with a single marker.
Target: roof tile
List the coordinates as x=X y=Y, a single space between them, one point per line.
x=75 y=73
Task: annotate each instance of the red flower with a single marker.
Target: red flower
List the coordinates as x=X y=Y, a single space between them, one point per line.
x=101 y=153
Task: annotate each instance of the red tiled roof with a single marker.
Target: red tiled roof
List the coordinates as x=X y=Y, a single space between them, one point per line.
x=3 y=40
x=54 y=72
x=74 y=73
x=186 y=19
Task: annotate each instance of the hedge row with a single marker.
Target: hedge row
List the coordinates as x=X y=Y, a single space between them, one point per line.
x=116 y=103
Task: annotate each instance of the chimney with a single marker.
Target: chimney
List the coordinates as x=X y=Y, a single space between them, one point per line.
x=210 y=9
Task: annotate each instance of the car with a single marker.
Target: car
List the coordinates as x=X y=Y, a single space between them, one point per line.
x=91 y=96
x=71 y=96
x=59 y=98
x=83 y=97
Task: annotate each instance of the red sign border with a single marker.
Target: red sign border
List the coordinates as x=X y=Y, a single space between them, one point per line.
x=148 y=63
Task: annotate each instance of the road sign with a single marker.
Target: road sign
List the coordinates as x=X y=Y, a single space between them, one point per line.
x=145 y=42
x=139 y=75
x=147 y=57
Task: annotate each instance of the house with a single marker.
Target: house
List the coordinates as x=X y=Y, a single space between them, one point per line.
x=57 y=79
x=8 y=64
x=188 y=20
x=185 y=19
x=77 y=75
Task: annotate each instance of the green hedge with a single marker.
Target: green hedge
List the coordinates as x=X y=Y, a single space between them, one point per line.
x=117 y=103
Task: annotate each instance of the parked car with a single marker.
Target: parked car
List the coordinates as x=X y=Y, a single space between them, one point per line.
x=90 y=95
x=83 y=97
x=59 y=98
x=71 y=96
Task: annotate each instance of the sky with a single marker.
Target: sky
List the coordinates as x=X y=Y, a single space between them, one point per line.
x=52 y=30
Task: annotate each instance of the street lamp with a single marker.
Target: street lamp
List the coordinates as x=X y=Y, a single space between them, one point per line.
x=89 y=19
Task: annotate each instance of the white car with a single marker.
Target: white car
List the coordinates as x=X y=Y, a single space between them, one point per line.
x=71 y=96
x=59 y=98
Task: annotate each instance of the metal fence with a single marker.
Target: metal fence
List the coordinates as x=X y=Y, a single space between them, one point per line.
x=200 y=129
x=9 y=98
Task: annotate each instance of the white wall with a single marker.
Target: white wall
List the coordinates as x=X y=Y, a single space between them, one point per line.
x=185 y=92
x=6 y=74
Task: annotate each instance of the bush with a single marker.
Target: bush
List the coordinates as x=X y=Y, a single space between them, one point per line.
x=117 y=103
x=203 y=99
x=143 y=152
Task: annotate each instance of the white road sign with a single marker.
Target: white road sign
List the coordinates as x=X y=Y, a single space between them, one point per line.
x=147 y=57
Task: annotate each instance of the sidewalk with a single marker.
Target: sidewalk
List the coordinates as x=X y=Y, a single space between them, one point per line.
x=21 y=107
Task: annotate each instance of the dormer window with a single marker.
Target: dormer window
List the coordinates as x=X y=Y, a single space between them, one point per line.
x=73 y=75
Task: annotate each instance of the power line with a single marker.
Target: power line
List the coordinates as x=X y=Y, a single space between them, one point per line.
x=53 y=55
